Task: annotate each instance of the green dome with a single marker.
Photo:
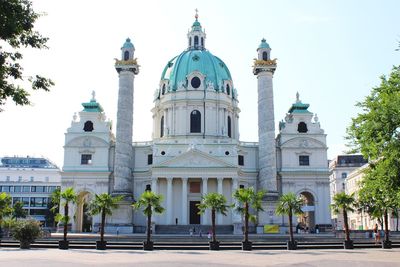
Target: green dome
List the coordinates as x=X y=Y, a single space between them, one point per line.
x=263 y=44
x=213 y=68
x=128 y=44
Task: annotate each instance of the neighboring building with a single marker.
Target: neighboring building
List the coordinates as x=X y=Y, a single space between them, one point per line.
x=195 y=147
x=340 y=168
x=360 y=220
x=31 y=181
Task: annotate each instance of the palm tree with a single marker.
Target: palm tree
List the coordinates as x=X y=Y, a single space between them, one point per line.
x=68 y=196
x=217 y=203
x=343 y=202
x=5 y=208
x=150 y=202
x=246 y=198
x=103 y=204
x=290 y=204
x=18 y=210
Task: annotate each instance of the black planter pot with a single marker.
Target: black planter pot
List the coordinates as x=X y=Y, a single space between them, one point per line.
x=24 y=244
x=386 y=244
x=148 y=245
x=291 y=245
x=63 y=244
x=101 y=245
x=348 y=244
x=247 y=245
x=214 y=245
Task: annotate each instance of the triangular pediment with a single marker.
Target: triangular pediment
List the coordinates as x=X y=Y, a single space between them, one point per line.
x=195 y=159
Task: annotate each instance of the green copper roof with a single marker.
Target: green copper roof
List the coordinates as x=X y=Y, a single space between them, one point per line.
x=213 y=68
x=299 y=107
x=263 y=44
x=196 y=26
x=128 y=44
x=92 y=106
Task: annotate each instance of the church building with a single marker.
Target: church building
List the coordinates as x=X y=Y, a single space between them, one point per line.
x=195 y=147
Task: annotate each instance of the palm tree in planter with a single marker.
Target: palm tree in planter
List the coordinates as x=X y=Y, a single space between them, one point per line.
x=344 y=203
x=67 y=196
x=103 y=204
x=5 y=209
x=246 y=198
x=289 y=204
x=217 y=204
x=150 y=203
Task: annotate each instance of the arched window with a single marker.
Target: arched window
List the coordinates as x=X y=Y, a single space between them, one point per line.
x=126 y=55
x=196 y=41
x=163 y=89
x=88 y=127
x=190 y=41
x=229 y=127
x=162 y=127
x=195 y=121
x=302 y=127
x=202 y=41
x=265 y=55
x=228 y=89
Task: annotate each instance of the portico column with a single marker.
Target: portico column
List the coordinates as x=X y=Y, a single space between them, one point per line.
x=219 y=216
x=154 y=189
x=235 y=185
x=205 y=192
x=169 y=200
x=184 y=201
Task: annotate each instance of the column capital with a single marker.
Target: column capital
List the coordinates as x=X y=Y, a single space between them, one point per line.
x=220 y=179
x=204 y=178
x=184 y=179
x=169 y=179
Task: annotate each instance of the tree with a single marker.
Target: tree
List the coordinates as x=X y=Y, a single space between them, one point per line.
x=246 y=198
x=150 y=203
x=343 y=203
x=67 y=196
x=103 y=204
x=53 y=206
x=17 y=19
x=5 y=207
x=217 y=204
x=375 y=132
x=290 y=204
x=19 y=211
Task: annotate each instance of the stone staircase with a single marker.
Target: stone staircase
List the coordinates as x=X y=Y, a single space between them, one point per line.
x=185 y=229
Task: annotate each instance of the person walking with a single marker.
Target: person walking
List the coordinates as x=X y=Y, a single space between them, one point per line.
x=377 y=234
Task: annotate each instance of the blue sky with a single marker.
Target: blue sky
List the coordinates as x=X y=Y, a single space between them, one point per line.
x=332 y=52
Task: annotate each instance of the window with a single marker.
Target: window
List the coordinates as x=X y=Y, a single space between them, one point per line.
x=25 y=200
x=196 y=41
x=7 y=178
x=343 y=186
x=241 y=186
x=38 y=201
x=162 y=127
x=37 y=212
x=302 y=127
x=202 y=41
x=228 y=89
x=304 y=160
x=149 y=159
x=17 y=189
x=88 y=127
x=26 y=189
x=344 y=175
x=265 y=55
x=195 y=82
x=19 y=178
x=195 y=121
x=86 y=159
x=194 y=187
x=148 y=187
x=32 y=178
x=227 y=153
x=190 y=41
x=16 y=199
x=51 y=189
x=240 y=160
x=163 y=89
x=229 y=127
x=126 y=55
x=6 y=188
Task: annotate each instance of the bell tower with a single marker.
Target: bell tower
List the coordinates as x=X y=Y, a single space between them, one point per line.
x=196 y=37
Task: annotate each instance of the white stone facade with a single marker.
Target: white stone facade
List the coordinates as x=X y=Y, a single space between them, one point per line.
x=195 y=147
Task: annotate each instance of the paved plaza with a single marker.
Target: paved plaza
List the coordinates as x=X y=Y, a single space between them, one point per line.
x=10 y=257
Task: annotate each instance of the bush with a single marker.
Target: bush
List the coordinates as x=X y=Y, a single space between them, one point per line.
x=26 y=230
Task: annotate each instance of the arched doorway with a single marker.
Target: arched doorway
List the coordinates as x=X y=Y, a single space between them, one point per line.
x=307 y=219
x=84 y=221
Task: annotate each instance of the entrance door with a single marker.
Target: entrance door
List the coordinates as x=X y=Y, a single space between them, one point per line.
x=194 y=216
